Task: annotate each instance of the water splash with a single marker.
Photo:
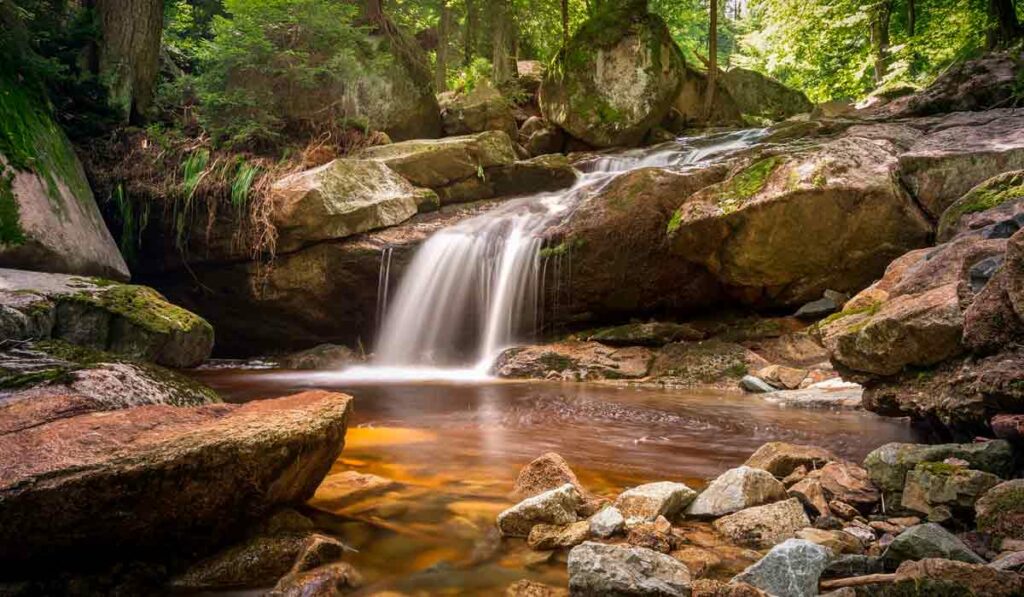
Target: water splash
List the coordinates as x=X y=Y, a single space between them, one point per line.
x=475 y=288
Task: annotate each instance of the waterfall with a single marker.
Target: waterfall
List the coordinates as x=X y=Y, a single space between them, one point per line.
x=475 y=288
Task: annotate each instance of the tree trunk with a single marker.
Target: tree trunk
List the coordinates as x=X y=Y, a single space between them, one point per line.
x=441 y=66
x=129 y=52
x=565 y=23
x=1003 y=27
x=504 y=43
x=912 y=17
x=880 y=17
x=712 y=80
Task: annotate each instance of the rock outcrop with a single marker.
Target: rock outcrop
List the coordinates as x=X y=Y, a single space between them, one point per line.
x=49 y=220
x=615 y=79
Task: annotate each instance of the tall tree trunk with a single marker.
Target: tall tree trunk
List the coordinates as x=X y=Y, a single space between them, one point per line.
x=712 y=81
x=129 y=52
x=441 y=66
x=565 y=23
x=1003 y=27
x=880 y=17
x=912 y=17
x=504 y=59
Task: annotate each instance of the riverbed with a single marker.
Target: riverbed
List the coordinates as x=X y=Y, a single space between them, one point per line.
x=453 y=451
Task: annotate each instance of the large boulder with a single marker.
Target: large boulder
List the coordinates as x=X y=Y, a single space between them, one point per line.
x=597 y=569
x=49 y=220
x=615 y=79
x=482 y=109
x=188 y=476
x=759 y=95
x=128 y=320
x=782 y=229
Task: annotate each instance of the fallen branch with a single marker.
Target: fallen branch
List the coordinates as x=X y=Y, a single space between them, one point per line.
x=858 y=581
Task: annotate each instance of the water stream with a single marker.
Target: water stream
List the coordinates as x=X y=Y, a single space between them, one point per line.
x=476 y=288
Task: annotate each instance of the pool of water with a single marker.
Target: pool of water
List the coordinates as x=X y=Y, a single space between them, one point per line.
x=453 y=451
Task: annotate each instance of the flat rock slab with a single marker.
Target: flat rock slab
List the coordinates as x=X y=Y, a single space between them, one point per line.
x=160 y=477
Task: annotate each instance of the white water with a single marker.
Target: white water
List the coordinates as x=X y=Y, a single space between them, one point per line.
x=475 y=288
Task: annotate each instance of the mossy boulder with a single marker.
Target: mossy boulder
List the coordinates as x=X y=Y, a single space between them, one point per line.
x=1001 y=510
x=133 y=321
x=783 y=228
x=760 y=95
x=49 y=220
x=615 y=79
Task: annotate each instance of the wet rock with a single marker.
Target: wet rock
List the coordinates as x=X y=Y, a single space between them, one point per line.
x=941 y=491
x=601 y=89
x=781 y=458
x=791 y=568
x=326 y=581
x=547 y=536
x=837 y=541
x=482 y=109
x=653 y=334
x=782 y=377
x=735 y=490
x=527 y=588
x=607 y=522
x=755 y=385
x=132 y=321
x=555 y=507
x=320 y=358
x=812 y=496
x=647 y=502
x=849 y=483
x=1001 y=510
x=699 y=561
x=888 y=465
x=929 y=540
x=947 y=577
x=848 y=565
x=190 y=476
x=764 y=526
x=596 y=569
x=578 y=361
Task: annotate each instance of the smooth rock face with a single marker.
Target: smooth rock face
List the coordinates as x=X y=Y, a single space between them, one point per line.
x=929 y=540
x=51 y=221
x=597 y=569
x=764 y=526
x=647 y=502
x=791 y=568
x=133 y=321
x=781 y=459
x=607 y=522
x=888 y=465
x=188 y=475
x=615 y=79
x=555 y=507
x=735 y=490
x=1001 y=510
x=339 y=199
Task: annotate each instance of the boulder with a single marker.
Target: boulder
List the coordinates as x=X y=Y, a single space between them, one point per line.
x=1000 y=510
x=607 y=523
x=654 y=334
x=758 y=95
x=996 y=202
x=929 y=540
x=937 y=576
x=482 y=109
x=554 y=507
x=782 y=229
x=980 y=84
x=781 y=458
x=578 y=361
x=791 y=568
x=941 y=491
x=889 y=464
x=645 y=503
x=339 y=199
x=763 y=527
x=189 y=476
x=127 y=320
x=946 y=163
x=596 y=569
x=49 y=220
x=735 y=490
x=616 y=77
x=548 y=536
x=847 y=482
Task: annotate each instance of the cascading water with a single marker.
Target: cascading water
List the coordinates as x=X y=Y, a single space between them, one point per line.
x=474 y=288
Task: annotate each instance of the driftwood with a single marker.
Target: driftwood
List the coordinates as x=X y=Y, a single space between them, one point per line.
x=858 y=581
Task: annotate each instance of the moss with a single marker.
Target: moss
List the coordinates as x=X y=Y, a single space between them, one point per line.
x=745 y=184
x=10 y=218
x=142 y=306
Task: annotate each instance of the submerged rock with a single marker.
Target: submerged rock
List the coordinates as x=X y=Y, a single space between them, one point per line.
x=764 y=526
x=735 y=490
x=929 y=541
x=554 y=507
x=190 y=476
x=645 y=503
x=791 y=568
x=597 y=569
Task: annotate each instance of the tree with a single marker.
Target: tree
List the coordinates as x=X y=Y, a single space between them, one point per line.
x=129 y=53
x=1003 y=27
x=712 y=81
x=881 y=13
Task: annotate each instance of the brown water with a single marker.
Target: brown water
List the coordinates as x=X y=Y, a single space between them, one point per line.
x=455 y=449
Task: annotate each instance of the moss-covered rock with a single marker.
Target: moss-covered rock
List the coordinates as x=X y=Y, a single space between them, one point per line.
x=615 y=79
x=49 y=220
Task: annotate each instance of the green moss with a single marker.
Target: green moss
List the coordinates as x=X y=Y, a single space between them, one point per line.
x=745 y=184
x=10 y=218
x=142 y=306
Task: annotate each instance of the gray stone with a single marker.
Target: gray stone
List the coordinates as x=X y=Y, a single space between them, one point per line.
x=737 y=489
x=557 y=506
x=791 y=568
x=764 y=526
x=756 y=385
x=929 y=540
x=607 y=522
x=647 y=502
x=597 y=569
